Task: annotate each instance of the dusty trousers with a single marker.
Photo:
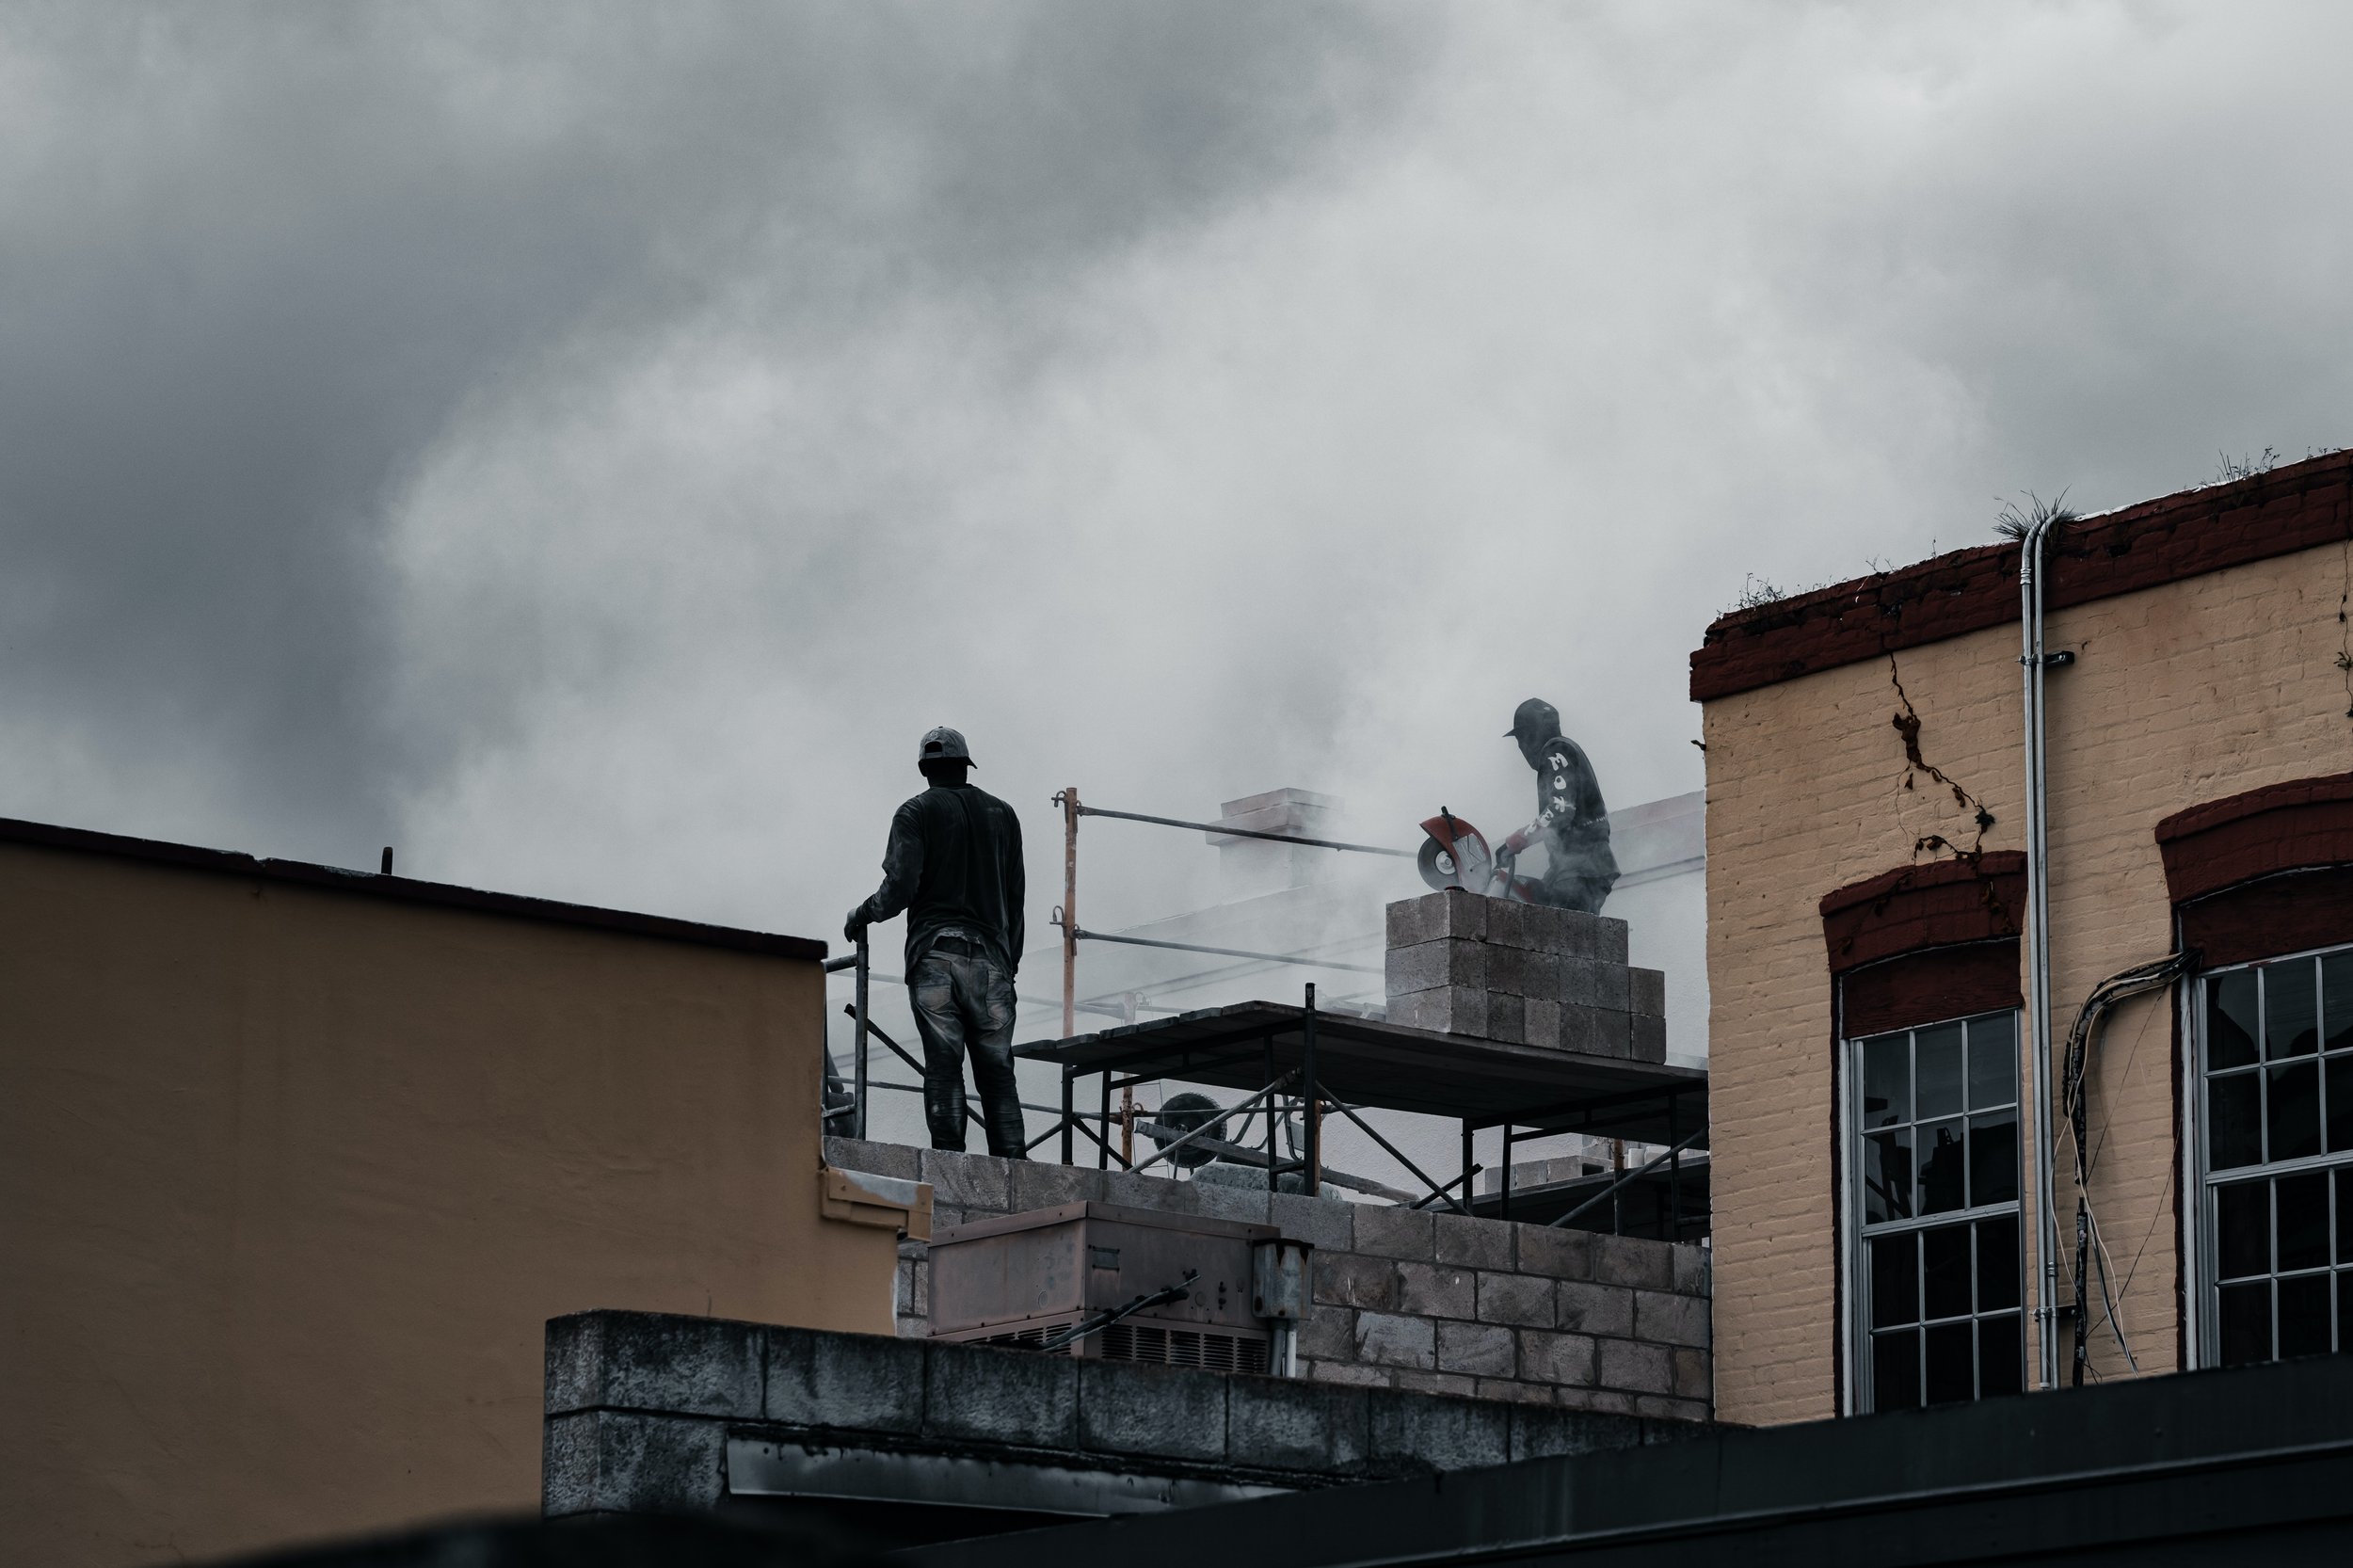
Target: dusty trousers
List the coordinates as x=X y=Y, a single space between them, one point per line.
x=963 y=998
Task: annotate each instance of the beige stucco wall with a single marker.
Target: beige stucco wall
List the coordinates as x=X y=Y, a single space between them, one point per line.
x=2181 y=694
x=290 y=1181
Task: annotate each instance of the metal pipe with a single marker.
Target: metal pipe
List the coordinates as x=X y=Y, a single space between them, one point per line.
x=1611 y=1191
x=1073 y=935
x=1307 y=1073
x=2036 y=1063
x=1243 y=832
x=1068 y=801
x=1167 y=1149
x=859 y=1052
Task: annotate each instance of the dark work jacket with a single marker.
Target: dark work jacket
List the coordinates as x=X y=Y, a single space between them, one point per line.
x=1577 y=842
x=955 y=860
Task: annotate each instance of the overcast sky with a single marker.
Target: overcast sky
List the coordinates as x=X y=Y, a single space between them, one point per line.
x=586 y=447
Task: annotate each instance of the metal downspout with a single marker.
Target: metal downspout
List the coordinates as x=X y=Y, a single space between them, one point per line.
x=2037 y=1054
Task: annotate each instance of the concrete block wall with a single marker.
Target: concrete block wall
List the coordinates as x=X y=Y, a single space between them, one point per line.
x=1523 y=974
x=1404 y=1298
x=640 y=1407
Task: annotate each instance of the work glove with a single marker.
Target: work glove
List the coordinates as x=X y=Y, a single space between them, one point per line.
x=854 y=929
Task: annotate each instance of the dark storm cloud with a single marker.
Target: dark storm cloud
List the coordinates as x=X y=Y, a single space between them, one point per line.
x=254 y=261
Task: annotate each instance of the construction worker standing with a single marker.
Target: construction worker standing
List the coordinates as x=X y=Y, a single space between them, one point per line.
x=954 y=866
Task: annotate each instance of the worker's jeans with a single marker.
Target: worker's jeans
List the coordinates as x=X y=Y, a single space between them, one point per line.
x=962 y=998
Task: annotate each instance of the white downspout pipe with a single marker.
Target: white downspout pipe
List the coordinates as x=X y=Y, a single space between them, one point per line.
x=2036 y=1060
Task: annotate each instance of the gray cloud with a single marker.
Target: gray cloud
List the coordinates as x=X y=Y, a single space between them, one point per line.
x=590 y=444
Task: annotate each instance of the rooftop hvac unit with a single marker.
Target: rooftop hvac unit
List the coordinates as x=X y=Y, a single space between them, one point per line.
x=1099 y=1281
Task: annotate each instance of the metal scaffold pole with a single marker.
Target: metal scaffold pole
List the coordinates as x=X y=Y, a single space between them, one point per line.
x=1068 y=801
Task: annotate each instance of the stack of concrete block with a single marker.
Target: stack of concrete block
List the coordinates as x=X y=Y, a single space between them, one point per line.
x=1524 y=974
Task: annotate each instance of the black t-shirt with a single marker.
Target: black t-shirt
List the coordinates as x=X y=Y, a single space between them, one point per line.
x=955 y=863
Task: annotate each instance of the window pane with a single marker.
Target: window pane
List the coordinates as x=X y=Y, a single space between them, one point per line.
x=1993 y=1061
x=1888 y=1080
x=2344 y=1217
x=2304 y=1316
x=1992 y=1157
x=2246 y=1323
x=2001 y=1355
x=2339 y=1104
x=1894 y=1281
x=1945 y=1272
x=2235 y=1121
x=1896 y=1371
x=2291 y=1018
x=2231 y=1019
x=2292 y=1111
x=1887 y=1176
x=1940 y=1167
x=1951 y=1362
x=2243 y=1228
x=2336 y=999
x=1997 y=1263
x=2345 y=1309
x=2302 y=1203
x=1937 y=1060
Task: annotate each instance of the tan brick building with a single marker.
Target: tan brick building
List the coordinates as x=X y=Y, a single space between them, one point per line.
x=1875 y=1164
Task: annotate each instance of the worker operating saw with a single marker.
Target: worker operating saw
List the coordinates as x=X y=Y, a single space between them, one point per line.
x=953 y=864
x=1572 y=824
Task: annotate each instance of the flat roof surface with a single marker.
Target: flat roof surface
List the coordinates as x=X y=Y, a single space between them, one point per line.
x=404 y=890
x=1368 y=1061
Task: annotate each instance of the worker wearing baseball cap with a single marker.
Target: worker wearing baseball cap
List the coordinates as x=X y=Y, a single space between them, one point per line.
x=1579 y=866
x=954 y=865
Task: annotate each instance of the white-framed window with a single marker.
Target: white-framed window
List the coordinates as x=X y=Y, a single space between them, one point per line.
x=1934 y=1247
x=2275 y=1156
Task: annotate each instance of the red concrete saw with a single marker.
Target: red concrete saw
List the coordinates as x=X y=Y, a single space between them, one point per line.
x=1455 y=855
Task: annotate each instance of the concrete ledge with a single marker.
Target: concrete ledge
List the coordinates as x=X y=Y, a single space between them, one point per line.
x=642 y=1408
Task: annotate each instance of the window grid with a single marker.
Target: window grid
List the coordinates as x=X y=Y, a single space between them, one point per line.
x=2276 y=1099
x=1939 y=1258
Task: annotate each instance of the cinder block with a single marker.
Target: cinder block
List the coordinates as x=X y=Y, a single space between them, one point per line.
x=1458 y=1384
x=1329 y=1333
x=972 y=1391
x=1633 y=1261
x=1474 y=1242
x=1592 y=982
x=1649 y=1039
x=1349 y=1372
x=1541 y=1433
x=652 y=1361
x=1286 y=1424
x=1405 y=1233
x=1353 y=1279
x=1435 y=916
x=1428 y=965
x=1570 y=932
x=626 y=1462
x=968 y=1181
x=1557 y=1358
x=1658 y=1408
x=1509 y=971
x=1436 y=1290
x=1484 y=1349
x=902 y=1160
x=1591 y=1308
x=1246 y=1205
x=849 y=1382
x=1691 y=1268
x=1411 y=1432
x=1503 y=1019
x=1695 y=1376
x=1558 y=1254
x=1329 y=1223
x=1540 y=1023
x=1384 y=1340
x=1615 y=1402
x=1648 y=988
x=1038 y=1184
x=1448 y=1010
x=1523 y=1300
x=1670 y=1320
x=1141 y=1189
x=1636 y=1367
x=1595 y=1031
x=1133 y=1408
x=1512 y=1390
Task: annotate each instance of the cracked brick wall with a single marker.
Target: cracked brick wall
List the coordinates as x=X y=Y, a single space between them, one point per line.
x=1429 y=1302
x=2181 y=694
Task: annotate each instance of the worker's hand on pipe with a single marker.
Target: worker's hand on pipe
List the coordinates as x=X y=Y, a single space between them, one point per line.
x=854 y=929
